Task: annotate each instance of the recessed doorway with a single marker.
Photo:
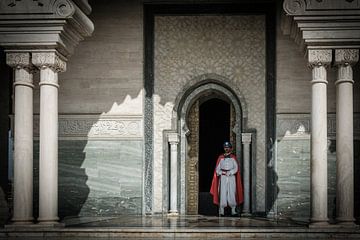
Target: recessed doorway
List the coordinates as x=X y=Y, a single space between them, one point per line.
x=214 y=129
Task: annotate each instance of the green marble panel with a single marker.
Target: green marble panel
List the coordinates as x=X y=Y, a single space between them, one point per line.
x=99 y=178
x=293 y=178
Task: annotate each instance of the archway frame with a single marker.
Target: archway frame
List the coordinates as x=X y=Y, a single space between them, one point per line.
x=204 y=86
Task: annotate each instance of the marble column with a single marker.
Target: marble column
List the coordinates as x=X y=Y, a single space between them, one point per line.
x=23 y=137
x=318 y=61
x=173 y=139
x=344 y=59
x=49 y=64
x=246 y=141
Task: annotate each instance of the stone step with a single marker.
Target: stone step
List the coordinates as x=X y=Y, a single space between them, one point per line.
x=174 y=233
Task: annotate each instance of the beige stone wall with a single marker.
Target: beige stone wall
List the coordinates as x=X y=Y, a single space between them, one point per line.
x=106 y=71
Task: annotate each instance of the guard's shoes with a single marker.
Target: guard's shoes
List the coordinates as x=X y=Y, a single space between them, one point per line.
x=221 y=212
x=233 y=212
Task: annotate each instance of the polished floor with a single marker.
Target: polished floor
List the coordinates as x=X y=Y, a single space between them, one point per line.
x=179 y=222
x=178 y=227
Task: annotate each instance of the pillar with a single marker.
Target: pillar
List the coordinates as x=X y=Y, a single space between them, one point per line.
x=23 y=137
x=318 y=61
x=344 y=59
x=49 y=64
x=173 y=139
x=246 y=141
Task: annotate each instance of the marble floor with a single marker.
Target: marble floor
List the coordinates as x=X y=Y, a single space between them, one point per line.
x=177 y=227
x=197 y=221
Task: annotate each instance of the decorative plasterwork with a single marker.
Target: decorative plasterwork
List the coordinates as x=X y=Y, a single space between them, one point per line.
x=296 y=125
x=18 y=60
x=49 y=60
x=44 y=24
x=191 y=51
x=319 y=57
x=95 y=127
x=322 y=24
x=346 y=56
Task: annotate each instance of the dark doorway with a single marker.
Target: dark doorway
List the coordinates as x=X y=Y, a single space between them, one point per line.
x=214 y=129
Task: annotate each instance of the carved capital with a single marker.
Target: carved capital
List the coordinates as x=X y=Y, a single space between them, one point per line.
x=173 y=138
x=48 y=60
x=294 y=7
x=346 y=56
x=319 y=57
x=18 y=60
x=246 y=138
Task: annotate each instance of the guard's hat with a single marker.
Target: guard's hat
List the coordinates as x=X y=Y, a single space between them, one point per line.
x=227 y=144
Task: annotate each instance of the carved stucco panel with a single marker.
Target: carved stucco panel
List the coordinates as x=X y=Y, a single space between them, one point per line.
x=92 y=127
x=229 y=46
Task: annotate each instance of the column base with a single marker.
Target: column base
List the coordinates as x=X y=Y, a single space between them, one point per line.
x=319 y=224
x=346 y=223
x=17 y=221
x=48 y=221
x=50 y=225
x=173 y=213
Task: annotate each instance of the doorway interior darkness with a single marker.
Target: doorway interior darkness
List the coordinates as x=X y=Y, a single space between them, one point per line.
x=214 y=129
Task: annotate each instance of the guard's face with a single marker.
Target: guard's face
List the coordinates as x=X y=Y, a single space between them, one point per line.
x=227 y=149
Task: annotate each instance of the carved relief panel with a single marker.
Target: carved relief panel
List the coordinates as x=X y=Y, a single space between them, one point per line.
x=192 y=161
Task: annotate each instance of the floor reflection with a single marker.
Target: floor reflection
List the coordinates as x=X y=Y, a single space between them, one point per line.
x=178 y=222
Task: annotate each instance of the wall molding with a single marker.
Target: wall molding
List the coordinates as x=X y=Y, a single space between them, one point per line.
x=97 y=127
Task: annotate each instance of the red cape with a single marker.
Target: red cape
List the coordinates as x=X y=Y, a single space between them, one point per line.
x=214 y=190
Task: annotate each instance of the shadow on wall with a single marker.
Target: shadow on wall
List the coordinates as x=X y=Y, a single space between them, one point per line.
x=72 y=188
x=100 y=173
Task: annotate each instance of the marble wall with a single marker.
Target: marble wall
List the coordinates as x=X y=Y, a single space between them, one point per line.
x=293 y=166
x=97 y=177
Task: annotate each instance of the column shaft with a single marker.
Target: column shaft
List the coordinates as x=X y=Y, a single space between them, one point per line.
x=319 y=146
x=344 y=135
x=173 y=140
x=23 y=137
x=246 y=139
x=23 y=147
x=318 y=60
x=48 y=163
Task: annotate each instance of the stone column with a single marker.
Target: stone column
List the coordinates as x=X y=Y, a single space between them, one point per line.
x=246 y=141
x=318 y=61
x=344 y=58
x=173 y=139
x=49 y=64
x=23 y=137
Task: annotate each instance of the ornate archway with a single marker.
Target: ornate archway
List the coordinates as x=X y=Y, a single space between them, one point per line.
x=188 y=147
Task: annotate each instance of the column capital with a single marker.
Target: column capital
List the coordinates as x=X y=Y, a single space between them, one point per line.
x=21 y=63
x=49 y=60
x=18 y=60
x=346 y=56
x=319 y=57
x=173 y=137
x=246 y=137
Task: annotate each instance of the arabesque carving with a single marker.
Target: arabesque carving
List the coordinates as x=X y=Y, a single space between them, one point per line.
x=49 y=60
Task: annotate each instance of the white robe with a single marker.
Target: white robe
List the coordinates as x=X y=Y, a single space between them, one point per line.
x=227 y=188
